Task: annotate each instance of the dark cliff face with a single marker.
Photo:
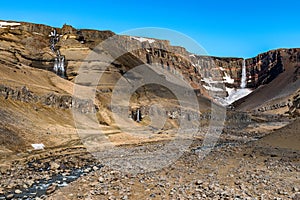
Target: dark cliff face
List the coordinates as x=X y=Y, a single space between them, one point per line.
x=260 y=70
x=232 y=67
x=267 y=66
x=264 y=68
x=275 y=77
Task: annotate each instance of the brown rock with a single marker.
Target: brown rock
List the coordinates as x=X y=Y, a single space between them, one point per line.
x=51 y=189
x=54 y=166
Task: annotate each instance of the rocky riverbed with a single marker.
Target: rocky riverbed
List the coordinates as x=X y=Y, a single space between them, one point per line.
x=45 y=171
x=229 y=172
x=237 y=168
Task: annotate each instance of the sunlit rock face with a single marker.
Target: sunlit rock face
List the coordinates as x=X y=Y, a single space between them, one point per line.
x=212 y=77
x=263 y=68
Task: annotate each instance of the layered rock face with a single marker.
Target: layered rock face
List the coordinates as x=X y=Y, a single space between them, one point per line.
x=205 y=74
x=265 y=67
x=54 y=100
x=28 y=44
x=275 y=75
x=31 y=47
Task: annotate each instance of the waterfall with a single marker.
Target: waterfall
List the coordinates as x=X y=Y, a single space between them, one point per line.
x=59 y=62
x=62 y=65
x=244 y=78
x=55 y=68
x=138 y=115
x=235 y=94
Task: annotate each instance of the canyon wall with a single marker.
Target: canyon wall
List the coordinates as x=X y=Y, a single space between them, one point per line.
x=29 y=44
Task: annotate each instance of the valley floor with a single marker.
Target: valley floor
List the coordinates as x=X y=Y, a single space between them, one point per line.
x=239 y=168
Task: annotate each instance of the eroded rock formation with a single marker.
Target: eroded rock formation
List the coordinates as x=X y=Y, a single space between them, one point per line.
x=54 y=100
x=28 y=44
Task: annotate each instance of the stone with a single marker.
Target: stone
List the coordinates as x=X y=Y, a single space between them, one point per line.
x=87 y=170
x=18 y=191
x=101 y=179
x=199 y=182
x=10 y=196
x=29 y=183
x=51 y=189
x=54 y=166
x=152 y=195
x=111 y=197
x=93 y=184
x=296 y=196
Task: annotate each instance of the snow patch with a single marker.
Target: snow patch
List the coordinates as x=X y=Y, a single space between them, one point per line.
x=210 y=83
x=222 y=69
x=36 y=33
x=5 y=24
x=38 y=146
x=234 y=95
x=213 y=89
x=228 y=79
x=141 y=39
x=210 y=80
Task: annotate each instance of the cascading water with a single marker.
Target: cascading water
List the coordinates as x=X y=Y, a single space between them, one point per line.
x=238 y=93
x=138 y=115
x=55 y=68
x=62 y=65
x=244 y=74
x=59 y=62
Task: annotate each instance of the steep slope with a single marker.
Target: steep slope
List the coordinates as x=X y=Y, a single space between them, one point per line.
x=287 y=138
x=276 y=79
x=37 y=105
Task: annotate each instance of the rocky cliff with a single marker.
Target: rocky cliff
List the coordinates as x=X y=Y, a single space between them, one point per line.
x=28 y=44
x=265 y=67
x=23 y=94
x=275 y=75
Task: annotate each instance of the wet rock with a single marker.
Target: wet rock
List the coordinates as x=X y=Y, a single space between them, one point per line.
x=152 y=195
x=10 y=196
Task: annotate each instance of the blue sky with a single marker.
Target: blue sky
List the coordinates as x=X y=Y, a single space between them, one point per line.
x=223 y=28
